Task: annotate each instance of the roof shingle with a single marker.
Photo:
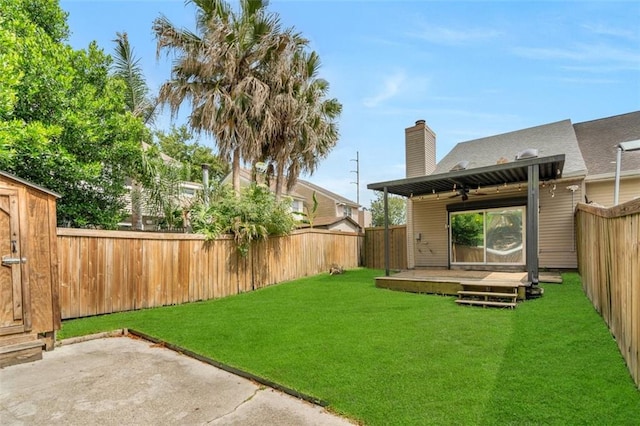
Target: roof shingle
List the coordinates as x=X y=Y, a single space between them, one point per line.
x=549 y=139
x=598 y=140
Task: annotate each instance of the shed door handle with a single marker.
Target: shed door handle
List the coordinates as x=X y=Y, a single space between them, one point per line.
x=8 y=261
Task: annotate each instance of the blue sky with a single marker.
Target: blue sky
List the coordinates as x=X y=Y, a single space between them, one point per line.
x=470 y=69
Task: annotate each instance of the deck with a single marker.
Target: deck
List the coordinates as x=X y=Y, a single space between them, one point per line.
x=450 y=282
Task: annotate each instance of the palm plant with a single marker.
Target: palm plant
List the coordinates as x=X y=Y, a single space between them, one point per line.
x=217 y=70
x=319 y=129
x=127 y=67
x=302 y=128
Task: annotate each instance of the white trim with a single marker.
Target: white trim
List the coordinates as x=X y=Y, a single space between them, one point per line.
x=610 y=176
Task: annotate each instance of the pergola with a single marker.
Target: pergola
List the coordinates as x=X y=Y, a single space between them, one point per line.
x=531 y=170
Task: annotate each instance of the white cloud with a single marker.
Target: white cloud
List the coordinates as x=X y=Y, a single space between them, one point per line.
x=601 y=29
x=449 y=36
x=588 y=80
x=600 y=69
x=390 y=88
x=599 y=53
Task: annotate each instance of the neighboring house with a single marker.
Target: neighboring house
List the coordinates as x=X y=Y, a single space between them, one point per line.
x=150 y=220
x=332 y=208
x=342 y=224
x=598 y=140
x=506 y=202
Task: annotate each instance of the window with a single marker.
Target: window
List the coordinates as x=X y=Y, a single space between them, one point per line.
x=490 y=236
x=189 y=192
x=347 y=211
x=297 y=206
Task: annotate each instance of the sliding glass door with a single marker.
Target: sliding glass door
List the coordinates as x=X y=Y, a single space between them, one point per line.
x=488 y=236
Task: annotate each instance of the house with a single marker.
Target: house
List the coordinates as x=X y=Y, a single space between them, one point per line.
x=506 y=202
x=334 y=211
x=148 y=218
x=342 y=224
x=598 y=140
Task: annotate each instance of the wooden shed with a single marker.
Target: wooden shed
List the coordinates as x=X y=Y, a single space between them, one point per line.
x=29 y=305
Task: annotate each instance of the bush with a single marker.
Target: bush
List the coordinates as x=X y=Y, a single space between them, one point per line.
x=252 y=215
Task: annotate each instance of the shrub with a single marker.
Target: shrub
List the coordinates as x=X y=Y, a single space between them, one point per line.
x=252 y=215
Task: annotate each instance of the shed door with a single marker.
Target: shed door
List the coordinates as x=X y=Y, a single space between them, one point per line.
x=11 y=303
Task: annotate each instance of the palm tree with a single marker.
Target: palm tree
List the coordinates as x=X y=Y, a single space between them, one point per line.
x=127 y=67
x=304 y=129
x=281 y=120
x=217 y=70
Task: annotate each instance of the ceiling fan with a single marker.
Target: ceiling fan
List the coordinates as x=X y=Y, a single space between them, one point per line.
x=464 y=192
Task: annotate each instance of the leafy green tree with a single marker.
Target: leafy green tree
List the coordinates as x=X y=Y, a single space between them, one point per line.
x=63 y=119
x=177 y=144
x=467 y=229
x=397 y=210
x=217 y=69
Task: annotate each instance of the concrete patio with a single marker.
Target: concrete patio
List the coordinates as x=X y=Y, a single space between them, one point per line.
x=120 y=380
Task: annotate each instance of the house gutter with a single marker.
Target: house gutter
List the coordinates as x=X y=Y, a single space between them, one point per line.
x=622 y=146
x=616 y=191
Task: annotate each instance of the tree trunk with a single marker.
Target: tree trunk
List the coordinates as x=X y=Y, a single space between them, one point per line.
x=279 y=180
x=136 y=206
x=235 y=170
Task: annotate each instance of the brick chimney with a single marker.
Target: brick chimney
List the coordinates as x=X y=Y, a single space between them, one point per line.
x=420 y=149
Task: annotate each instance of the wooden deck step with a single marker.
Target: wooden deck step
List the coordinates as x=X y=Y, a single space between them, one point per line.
x=487 y=293
x=489 y=283
x=487 y=303
x=19 y=353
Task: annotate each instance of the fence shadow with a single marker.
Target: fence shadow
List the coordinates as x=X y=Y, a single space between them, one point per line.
x=609 y=262
x=559 y=363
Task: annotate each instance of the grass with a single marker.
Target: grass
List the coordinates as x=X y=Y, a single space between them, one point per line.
x=384 y=357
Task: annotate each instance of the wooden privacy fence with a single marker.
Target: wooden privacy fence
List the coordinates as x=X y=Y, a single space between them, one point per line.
x=374 y=247
x=111 y=271
x=609 y=263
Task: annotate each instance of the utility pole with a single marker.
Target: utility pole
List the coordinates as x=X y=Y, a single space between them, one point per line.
x=357 y=172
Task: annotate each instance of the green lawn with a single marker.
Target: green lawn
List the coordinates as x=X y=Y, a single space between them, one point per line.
x=384 y=357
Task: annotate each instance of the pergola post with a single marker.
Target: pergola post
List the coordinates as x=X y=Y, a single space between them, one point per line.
x=386 y=232
x=533 y=177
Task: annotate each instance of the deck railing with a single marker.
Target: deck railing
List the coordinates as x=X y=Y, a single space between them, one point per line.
x=111 y=271
x=609 y=263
